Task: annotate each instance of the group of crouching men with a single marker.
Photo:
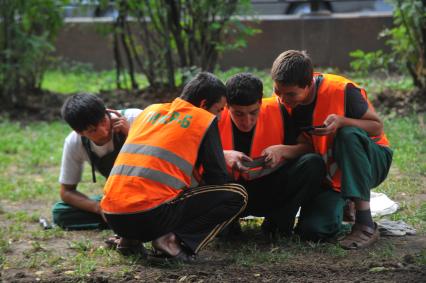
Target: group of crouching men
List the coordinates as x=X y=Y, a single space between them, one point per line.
x=180 y=173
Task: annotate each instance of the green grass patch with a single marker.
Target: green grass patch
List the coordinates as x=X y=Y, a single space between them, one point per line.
x=30 y=158
x=73 y=78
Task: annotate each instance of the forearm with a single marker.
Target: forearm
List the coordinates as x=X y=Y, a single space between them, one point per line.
x=80 y=200
x=294 y=151
x=372 y=127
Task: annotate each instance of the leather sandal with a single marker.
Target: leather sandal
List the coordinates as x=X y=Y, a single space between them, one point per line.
x=361 y=236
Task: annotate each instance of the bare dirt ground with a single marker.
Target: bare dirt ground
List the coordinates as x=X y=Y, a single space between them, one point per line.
x=248 y=259
x=45 y=106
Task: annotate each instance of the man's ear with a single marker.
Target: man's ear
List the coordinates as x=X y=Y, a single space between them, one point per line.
x=203 y=104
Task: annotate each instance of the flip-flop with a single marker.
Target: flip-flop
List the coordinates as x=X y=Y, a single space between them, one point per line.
x=112 y=242
x=132 y=249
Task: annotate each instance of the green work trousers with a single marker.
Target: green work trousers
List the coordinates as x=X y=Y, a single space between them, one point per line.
x=69 y=217
x=364 y=165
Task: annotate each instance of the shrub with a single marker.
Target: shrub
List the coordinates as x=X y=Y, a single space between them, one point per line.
x=27 y=31
x=172 y=35
x=407 y=40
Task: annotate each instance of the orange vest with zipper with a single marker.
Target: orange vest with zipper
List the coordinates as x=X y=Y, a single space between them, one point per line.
x=331 y=100
x=269 y=130
x=157 y=160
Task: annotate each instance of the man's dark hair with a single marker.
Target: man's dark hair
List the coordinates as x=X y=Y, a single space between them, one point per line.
x=244 y=89
x=83 y=110
x=293 y=67
x=204 y=86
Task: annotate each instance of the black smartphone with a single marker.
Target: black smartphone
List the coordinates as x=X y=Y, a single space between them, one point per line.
x=257 y=162
x=311 y=128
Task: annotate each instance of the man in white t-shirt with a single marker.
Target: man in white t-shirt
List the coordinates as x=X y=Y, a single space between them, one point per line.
x=97 y=138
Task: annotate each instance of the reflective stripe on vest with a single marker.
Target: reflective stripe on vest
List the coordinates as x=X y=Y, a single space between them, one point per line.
x=158 y=157
x=331 y=100
x=184 y=165
x=269 y=130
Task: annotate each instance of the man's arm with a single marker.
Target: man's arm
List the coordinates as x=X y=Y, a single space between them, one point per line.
x=70 y=195
x=212 y=158
x=358 y=114
x=369 y=122
x=70 y=175
x=275 y=153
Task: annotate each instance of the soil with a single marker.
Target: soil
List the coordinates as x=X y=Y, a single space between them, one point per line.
x=249 y=258
x=46 y=106
x=401 y=103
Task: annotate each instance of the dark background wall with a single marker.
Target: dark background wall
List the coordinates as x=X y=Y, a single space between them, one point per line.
x=328 y=39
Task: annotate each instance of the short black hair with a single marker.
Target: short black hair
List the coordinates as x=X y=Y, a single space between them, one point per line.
x=244 y=89
x=204 y=86
x=83 y=110
x=293 y=67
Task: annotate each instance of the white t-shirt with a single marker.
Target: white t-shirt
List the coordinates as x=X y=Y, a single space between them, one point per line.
x=74 y=155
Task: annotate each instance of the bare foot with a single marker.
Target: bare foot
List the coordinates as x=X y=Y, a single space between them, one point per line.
x=168 y=244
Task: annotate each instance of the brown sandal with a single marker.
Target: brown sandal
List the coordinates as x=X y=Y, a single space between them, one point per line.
x=361 y=236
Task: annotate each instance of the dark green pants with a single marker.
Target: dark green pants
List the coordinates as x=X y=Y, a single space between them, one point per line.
x=70 y=218
x=364 y=165
x=279 y=195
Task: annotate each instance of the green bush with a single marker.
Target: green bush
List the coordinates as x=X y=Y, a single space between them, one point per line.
x=407 y=41
x=27 y=32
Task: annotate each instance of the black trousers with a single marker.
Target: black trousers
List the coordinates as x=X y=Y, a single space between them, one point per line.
x=196 y=216
x=279 y=195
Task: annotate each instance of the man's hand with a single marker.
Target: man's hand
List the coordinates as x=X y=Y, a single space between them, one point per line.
x=70 y=195
x=100 y=212
x=233 y=159
x=119 y=123
x=273 y=154
x=332 y=123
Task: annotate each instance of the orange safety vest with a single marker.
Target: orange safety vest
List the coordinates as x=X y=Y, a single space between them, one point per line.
x=331 y=100
x=157 y=160
x=269 y=130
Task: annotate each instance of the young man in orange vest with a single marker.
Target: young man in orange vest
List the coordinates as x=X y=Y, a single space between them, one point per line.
x=348 y=134
x=169 y=184
x=252 y=128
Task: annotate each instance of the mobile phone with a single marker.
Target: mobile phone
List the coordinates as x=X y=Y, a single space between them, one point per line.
x=257 y=162
x=311 y=128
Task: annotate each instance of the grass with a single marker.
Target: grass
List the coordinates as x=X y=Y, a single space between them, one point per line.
x=78 y=77
x=30 y=156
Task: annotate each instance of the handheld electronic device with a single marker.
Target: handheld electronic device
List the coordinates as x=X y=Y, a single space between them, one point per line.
x=311 y=128
x=257 y=162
